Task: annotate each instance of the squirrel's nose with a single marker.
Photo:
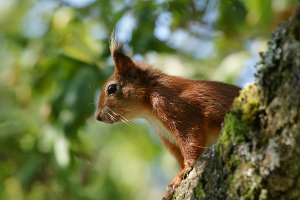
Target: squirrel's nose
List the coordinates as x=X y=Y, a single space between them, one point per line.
x=98 y=117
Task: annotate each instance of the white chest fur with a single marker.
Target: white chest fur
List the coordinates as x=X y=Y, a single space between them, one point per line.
x=160 y=129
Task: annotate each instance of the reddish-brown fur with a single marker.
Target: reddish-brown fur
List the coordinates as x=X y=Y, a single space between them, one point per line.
x=187 y=113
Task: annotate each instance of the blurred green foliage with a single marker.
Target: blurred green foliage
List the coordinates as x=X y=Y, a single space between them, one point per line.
x=54 y=58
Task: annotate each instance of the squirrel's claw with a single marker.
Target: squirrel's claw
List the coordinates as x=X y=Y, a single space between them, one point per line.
x=177 y=180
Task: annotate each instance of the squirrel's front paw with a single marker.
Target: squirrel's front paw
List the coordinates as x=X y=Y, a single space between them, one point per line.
x=169 y=194
x=171 y=188
x=176 y=182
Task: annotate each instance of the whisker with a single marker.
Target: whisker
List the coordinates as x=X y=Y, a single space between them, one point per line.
x=114 y=118
x=126 y=121
x=112 y=114
x=105 y=117
x=123 y=119
x=92 y=103
x=125 y=124
x=202 y=147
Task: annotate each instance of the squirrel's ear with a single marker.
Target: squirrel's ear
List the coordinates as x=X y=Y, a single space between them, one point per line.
x=123 y=62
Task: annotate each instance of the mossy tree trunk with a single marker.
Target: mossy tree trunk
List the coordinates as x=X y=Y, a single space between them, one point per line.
x=258 y=153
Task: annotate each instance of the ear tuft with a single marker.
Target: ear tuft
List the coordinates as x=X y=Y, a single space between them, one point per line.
x=116 y=47
x=123 y=61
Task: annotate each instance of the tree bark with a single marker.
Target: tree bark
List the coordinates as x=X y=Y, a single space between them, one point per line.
x=258 y=152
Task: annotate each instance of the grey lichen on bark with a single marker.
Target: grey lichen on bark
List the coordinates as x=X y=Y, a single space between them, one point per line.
x=258 y=153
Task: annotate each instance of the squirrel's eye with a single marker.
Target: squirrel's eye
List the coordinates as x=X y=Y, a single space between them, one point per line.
x=112 y=89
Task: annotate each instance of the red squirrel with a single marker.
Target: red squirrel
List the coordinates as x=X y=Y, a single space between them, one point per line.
x=187 y=114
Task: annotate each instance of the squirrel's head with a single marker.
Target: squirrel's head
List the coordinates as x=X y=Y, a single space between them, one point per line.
x=124 y=94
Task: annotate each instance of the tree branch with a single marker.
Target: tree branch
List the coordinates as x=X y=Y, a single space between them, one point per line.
x=257 y=155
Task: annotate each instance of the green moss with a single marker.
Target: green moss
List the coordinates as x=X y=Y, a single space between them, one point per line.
x=263 y=194
x=243 y=116
x=233 y=133
x=199 y=192
x=233 y=162
x=245 y=183
x=248 y=104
